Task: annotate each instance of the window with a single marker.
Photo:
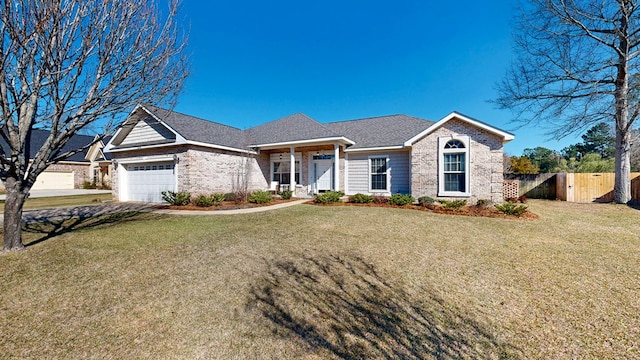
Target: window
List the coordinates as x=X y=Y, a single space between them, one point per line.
x=454 y=175
x=378 y=179
x=453 y=179
x=282 y=172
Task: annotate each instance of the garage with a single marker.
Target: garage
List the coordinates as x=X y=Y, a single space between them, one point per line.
x=54 y=180
x=145 y=182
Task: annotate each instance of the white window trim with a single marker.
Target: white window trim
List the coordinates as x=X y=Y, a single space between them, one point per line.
x=274 y=158
x=378 y=191
x=442 y=141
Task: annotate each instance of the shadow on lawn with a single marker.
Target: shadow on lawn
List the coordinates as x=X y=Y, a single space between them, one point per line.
x=342 y=304
x=54 y=222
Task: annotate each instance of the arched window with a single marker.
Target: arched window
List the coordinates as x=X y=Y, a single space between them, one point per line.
x=453 y=179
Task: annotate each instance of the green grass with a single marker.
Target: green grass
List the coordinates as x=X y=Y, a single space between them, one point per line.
x=59 y=201
x=329 y=282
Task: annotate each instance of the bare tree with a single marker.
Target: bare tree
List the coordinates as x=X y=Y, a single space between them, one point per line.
x=578 y=65
x=68 y=65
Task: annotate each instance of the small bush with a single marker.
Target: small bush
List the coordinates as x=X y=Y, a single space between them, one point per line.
x=203 y=201
x=360 y=198
x=260 y=197
x=378 y=199
x=483 y=203
x=511 y=208
x=426 y=201
x=453 y=204
x=401 y=199
x=241 y=196
x=521 y=199
x=286 y=194
x=176 y=198
x=230 y=196
x=218 y=198
x=329 y=197
x=88 y=185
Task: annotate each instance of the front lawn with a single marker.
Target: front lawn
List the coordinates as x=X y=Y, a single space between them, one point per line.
x=58 y=201
x=329 y=282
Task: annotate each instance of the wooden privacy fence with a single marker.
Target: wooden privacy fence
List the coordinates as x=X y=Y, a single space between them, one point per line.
x=538 y=186
x=591 y=187
x=574 y=187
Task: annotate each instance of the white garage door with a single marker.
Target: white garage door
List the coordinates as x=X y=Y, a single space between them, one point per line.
x=54 y=180
x=146 y=182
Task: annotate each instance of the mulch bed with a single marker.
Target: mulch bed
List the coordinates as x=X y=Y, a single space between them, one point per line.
x=487 y=211
x=480 y=211
x=226 y=205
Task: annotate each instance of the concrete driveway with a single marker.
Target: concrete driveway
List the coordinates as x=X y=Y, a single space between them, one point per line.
x=69 y=192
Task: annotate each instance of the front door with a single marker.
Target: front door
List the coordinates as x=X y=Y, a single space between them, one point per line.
x=323 y=175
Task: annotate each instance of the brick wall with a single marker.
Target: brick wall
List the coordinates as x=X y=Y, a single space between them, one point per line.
x=216 y=171
x=486 y=157
x=202 y=170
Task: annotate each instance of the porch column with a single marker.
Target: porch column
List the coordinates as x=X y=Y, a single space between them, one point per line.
x=293 y=170
x=336 y=167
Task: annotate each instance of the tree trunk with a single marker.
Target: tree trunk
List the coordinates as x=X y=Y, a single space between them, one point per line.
x=622 y=186
x=13 y=205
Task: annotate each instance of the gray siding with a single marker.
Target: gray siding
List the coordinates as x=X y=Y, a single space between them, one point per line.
x=147 y=131
x=358 y=172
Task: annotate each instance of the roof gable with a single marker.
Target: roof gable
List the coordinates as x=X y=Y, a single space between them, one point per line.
x=166 y=127
x=506 y=136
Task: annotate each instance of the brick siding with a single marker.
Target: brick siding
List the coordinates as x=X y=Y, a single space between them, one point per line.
x=485 y=162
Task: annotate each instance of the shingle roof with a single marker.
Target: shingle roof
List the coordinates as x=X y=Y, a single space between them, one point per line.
x=196 y=129
x=294 y=127
x=39 y=136
x=380 y=131
x=105 y=140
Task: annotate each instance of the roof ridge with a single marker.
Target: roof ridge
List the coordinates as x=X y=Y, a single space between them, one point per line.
x=377 y=117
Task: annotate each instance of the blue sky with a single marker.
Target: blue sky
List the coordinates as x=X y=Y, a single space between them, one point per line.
x=257 y=61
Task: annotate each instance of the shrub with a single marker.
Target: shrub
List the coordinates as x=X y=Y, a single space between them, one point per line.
x=426 y=201
x=401 y=199
x=260 y=197
x=176 y=198
x=240 y=196
x=230 y=196
x=286 y=194
x=483 y=203
x=511 y=208
x=88 y=185
x=453 y=204
x=329 y=197
x=203 y=201
x=218 y=198
x=360 y=198
x=378 y=199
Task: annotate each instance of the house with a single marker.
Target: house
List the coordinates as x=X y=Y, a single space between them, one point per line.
x=71 y=173
x=101 y=167
x=457 y=157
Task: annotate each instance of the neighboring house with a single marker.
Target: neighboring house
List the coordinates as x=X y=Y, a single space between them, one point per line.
x=457 y=157
x=68 y=174
x=101 y=166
